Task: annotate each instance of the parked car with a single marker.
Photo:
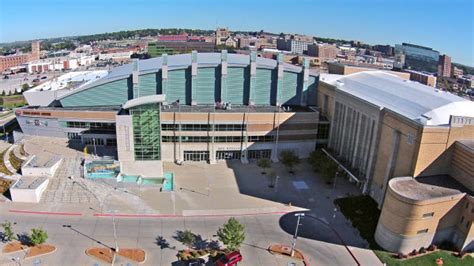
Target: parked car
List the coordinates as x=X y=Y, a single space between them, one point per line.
x=196 y=262
x=44 y=77
x=36 y=80
x=229 y=259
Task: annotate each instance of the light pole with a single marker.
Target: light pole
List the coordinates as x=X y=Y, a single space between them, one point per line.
x=299 y=215
x=115 y=236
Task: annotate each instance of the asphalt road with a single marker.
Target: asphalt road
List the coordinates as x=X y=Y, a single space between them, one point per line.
x=73 y=234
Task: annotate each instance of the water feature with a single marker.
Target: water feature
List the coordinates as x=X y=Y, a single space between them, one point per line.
x=101 y=169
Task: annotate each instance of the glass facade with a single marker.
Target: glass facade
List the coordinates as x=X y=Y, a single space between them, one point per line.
x=146 y=132
x=91 y=125
x=204 y=127
x=418 y=57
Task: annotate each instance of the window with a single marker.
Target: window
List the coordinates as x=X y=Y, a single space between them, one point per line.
x=467 y=205
x=424 y=231
x=428 y=215
x=410 y=139
x=267 y=138
x=323 y=131
x=462 y=219
x=228 y=139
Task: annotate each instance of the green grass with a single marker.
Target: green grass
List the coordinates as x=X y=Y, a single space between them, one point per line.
x=362 y=211
x=428 y=259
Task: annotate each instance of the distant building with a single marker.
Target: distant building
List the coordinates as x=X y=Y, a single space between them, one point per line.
x=418 y=57
x=10 y=61
x=423 y=78
x=221 y=35
x=292 y=45
x=230 y=42
x=444 y=66
x=345 y=69
x=159 y=48
x=173 y=38
x=457 y=72
x=385 y=49
x=323 y=51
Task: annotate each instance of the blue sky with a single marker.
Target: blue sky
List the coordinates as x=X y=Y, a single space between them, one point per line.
x=445 y=25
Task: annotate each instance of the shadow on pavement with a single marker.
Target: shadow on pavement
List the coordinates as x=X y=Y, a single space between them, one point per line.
x=315 y=228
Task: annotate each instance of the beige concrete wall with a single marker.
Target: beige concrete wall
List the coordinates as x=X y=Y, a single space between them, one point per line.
x=407 y=152
x=402 y=219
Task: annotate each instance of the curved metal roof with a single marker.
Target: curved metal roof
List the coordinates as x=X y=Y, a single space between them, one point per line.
x=181 y=61
x=418 y=102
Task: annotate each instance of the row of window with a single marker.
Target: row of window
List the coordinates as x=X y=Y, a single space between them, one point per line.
x=217 y=138
x=203 y=127
x=91 y=125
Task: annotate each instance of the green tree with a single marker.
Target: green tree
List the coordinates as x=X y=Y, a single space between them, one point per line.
x=186 y=237
x=264 y=163
x=3 y=93
x=232 y=234
x=8 y=234
x=316 y=159
x=38 y=236
x=25 y=87
x=289 y=159
x=328 y=170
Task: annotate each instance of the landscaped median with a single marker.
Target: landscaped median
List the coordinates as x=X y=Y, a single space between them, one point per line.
x=362 y=211
x=107 y=254
x=33 y=244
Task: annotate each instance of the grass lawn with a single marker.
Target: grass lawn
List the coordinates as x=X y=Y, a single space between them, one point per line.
x=363 y=213
x=428 y=259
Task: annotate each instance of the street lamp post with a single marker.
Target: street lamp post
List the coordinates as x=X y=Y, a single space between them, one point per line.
x=115 y=237
x=299 y=215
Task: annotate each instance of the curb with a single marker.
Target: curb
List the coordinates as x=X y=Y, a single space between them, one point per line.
x=46 y=213
x=124 y=215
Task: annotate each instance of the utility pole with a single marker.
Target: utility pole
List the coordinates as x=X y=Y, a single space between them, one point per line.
x=299 y=215
x=115 y=236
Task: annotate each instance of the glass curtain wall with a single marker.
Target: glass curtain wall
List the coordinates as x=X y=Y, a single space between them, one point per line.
x=146 y=132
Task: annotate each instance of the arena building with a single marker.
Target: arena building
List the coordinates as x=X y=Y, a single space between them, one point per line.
x=188 y=107
x=409 y=146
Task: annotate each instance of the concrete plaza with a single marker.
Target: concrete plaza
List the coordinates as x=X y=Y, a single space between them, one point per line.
x=204 y=197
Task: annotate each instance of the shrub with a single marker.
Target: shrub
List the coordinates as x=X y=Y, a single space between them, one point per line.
x=264 y=163
x=399 y=256
x=413 y=252
x=289 y=159
x=431 y=247
x=38 y=236
x=422 y=250
x=186 y=237
x=8 y=234
x=194 y=254
x=202 y=252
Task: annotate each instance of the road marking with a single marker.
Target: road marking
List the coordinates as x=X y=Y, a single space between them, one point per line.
x=124 y=215
x=47 y=213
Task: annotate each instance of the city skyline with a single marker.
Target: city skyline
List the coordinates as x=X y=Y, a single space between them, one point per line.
x=340 y=20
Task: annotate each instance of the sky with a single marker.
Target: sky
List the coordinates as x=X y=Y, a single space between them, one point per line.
x=444 y=25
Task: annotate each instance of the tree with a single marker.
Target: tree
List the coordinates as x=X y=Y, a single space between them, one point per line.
x=232 y=234
x=264 y=163
x=328 y=170
x=316 y=159
x=186 y=237
x=25 y=87
x=8 y=234
x=3 y=93
x=289 y=159
x=38 y=236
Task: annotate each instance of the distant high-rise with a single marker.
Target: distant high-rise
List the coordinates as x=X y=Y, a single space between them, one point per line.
x=444 y=66
x=35 y=51
x=221 y=35
x=418 y=57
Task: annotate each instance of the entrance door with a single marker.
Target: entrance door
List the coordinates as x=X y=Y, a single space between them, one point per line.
x=228 y=155
x=258 y=154
x=196 y=156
